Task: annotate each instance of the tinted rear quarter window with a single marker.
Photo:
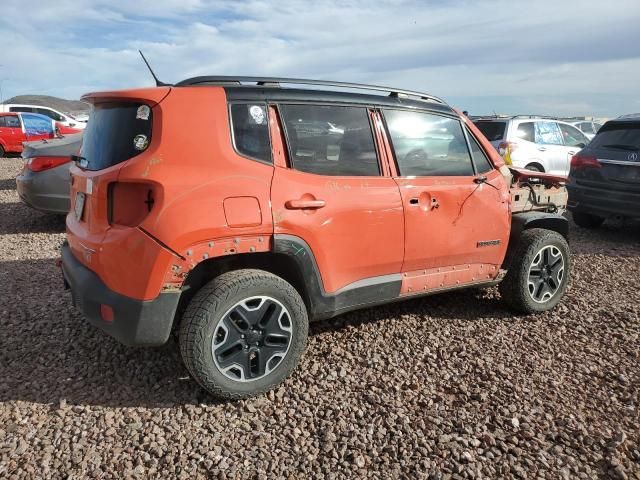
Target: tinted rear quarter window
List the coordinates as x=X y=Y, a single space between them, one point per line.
x=618 y=136
x=494 y=131
x=115 y=132
x=330 y=140
x=250 y=129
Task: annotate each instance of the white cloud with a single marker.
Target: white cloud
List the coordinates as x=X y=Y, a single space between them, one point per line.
x=540 y=50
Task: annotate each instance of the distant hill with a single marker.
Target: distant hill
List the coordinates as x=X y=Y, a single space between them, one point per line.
x=60 y=104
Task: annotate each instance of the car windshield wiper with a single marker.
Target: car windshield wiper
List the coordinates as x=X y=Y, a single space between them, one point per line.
x=620 y=146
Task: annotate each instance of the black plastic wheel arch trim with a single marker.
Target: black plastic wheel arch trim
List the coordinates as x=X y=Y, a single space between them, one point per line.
x=367 y=292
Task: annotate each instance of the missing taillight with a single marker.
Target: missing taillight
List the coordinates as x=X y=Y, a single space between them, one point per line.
x=130 y=203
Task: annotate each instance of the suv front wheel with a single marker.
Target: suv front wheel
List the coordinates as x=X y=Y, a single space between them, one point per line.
x=243 y=333
x=538 y=272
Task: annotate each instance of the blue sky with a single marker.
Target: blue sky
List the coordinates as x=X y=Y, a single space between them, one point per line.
x=542 y=57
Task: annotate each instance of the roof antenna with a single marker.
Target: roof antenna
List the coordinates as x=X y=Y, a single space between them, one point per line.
x=158 y=82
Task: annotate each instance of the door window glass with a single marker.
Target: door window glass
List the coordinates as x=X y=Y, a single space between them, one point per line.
x=572 y=136
x=250 y=128
x=428 y=145
x=330 y=140
x=482 y=163
x=586 y=127
x=526 y=131
x=548 y=133
x=12 y=122
x=50 y=114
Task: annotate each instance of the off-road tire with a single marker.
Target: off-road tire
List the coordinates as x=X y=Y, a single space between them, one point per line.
x=514 y=288
x=587 y=220
x=205 y=310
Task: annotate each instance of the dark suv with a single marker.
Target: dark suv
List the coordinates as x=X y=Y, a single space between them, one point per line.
x=604 y=179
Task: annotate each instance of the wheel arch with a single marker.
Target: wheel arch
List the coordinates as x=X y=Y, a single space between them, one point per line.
x=520 y=222
x=277 y=263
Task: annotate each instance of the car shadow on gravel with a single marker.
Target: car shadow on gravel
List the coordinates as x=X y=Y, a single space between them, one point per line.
x=16 y=217
x=48 y=352
x=7 y=184
x=466 y=305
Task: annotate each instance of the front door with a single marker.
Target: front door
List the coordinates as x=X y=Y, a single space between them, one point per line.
x=334 y=195
x=456 y=216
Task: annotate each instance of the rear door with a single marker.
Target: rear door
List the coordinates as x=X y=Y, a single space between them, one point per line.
x=456 y=218
x=7 y=133
x=551 y=147
x=17 y=133
x=334 y=194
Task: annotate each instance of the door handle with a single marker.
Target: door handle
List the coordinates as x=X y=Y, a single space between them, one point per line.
x=414 y=201
x=542 y=149
x=571 y=153
x=304 y=204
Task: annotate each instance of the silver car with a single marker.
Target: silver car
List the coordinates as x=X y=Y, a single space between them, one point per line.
x=535 y=143
x=44 y=181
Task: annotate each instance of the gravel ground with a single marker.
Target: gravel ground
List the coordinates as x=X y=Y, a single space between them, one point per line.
x=451 y=386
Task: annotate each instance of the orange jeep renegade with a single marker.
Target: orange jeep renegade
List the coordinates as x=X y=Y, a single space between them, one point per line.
x=237 y=209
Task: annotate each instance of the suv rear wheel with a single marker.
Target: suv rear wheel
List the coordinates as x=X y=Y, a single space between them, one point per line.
x=587 y=220
x=539 y=272
x=243 y=333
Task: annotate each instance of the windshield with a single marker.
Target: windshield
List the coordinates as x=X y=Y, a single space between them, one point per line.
x=116 y=132
x=618 y=136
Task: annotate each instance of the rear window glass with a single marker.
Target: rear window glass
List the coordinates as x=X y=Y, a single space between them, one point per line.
x=251 y=130
x=526 y=131
x=618 y=136
x=492 y=130
x=115 y=132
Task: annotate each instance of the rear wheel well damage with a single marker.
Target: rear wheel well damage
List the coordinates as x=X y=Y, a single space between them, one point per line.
x=520 y=222
x=278 y=264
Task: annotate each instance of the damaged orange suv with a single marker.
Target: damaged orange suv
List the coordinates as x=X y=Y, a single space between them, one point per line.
x=237 y=209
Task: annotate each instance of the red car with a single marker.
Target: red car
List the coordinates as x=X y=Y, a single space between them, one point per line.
x=16 y=128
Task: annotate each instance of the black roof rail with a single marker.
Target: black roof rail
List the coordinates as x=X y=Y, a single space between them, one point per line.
x=277 y=81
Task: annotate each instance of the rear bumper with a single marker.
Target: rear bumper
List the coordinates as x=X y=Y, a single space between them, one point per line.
x=135 y=322
x=45 y=191
x=601 y=202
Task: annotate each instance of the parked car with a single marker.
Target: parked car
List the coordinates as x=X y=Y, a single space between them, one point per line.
x=604 y=179
x=16 y=128
x=588 y=127
x=238 y=239
x=65 y=124
x=534 y=143
x=44 y=181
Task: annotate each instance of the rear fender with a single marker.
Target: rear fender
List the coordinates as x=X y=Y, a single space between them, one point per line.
x=520 y=222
